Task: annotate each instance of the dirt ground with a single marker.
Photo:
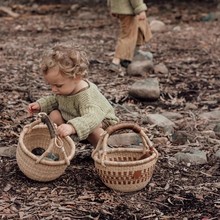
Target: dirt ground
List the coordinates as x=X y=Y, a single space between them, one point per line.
x=176 y=191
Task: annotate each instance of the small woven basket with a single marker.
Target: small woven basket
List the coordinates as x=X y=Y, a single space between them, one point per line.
x=125 y=169
x=36 y=135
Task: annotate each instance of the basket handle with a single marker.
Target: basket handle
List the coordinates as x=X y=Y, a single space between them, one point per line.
x=111 y=129
x=136 y=128
x=43 y=117
x=55 y=139
x=101 y=147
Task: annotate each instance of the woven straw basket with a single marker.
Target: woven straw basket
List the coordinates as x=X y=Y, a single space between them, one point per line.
x=125 y=169
x=36 y=135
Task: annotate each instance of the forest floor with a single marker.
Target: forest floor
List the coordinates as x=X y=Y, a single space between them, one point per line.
x=189 y=47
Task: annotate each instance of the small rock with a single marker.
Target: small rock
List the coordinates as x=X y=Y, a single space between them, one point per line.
x=190 y=106
x=172 y=115
x=161 y=68
x=217 y=128
x=52 y=157
x=74 y=7
x=139 y=68
x=213 y=115
x=157 y=26
x=8 y=151
x=178 y=138
x=177 y=29
x=160 y=140
x=38 y=151
x=143 y=55
x=208 y=133
x=168 y=130
x=212 y=16
x=217 y=154
x=85 y=15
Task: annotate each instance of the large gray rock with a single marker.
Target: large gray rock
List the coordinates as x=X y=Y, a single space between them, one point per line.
x=159 y=120
x=147 y=89
x=193 y=156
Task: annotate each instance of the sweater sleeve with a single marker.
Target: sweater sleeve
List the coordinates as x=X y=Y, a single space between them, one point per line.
x=48 y=103
x=91 y=117
x=138 y=6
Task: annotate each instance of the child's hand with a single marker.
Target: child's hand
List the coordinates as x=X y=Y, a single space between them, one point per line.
x=141 y=16
x=33 y=108
x=65 y=130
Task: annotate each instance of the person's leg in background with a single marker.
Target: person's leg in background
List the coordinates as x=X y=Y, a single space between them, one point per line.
x=144 y=35
x=124 y=50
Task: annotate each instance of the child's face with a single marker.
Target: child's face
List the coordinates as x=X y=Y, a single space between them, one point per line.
x=60 y=84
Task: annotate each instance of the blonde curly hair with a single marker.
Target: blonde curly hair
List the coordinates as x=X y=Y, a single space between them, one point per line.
x=70 y=60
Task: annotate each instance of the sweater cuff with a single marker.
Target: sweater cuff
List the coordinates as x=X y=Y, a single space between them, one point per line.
x=140 y=8
x=43 y=105
x=81 y=129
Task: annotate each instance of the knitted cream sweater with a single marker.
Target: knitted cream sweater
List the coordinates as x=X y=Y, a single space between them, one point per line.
x=127 y=7
x=84 y=110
